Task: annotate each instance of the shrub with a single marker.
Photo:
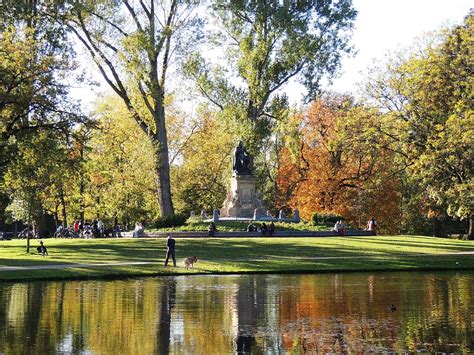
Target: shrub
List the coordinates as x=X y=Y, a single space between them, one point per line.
x=325 y=218
x=172 y=221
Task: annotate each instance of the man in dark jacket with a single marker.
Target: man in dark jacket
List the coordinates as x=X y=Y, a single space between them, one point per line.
x=170 y=244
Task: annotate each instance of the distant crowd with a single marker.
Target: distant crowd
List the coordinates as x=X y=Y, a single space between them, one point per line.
x=96 y=229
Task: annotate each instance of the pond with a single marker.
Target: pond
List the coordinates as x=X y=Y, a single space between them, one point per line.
x=310 y=313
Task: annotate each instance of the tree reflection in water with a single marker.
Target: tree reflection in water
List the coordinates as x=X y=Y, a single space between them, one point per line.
x=253 y=313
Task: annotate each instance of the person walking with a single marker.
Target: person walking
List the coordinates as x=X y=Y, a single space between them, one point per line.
x=170 y=250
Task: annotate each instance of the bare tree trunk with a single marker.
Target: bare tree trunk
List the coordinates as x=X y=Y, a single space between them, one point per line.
x=28 y=231
x=437 y=227
x=63 y=211
x=162 y=171
x=470 y=233
x=82 y=187
x=56 y=216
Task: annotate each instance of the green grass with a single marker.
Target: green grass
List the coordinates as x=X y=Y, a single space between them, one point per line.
x=237 y=255
x=231 y=226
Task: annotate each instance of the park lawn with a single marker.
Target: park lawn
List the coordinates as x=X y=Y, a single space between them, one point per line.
x=235 y=255
x=232 y=226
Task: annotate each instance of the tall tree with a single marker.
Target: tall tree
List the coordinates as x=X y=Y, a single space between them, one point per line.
x=268 y=44
x=428 y=97
x=133 y=44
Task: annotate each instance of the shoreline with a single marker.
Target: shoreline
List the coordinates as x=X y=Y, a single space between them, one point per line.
x=106 y=259
x=113 y=277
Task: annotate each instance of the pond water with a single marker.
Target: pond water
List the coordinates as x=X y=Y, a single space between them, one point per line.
x=321 y=313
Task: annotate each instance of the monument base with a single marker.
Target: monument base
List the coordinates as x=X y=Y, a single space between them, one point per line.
x=243 y=198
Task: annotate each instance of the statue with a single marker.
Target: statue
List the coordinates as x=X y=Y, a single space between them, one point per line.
x=281 y=214
x=215 y=215
x=242 y=161
x=255 y=214
x=296 y=216
x=235 y=200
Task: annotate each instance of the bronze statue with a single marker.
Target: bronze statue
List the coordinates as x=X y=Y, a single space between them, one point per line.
x=242 y=161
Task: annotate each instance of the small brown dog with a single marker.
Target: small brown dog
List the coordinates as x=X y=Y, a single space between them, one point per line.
x=189 y=262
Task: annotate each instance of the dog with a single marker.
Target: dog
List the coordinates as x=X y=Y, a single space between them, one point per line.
x=189 y=262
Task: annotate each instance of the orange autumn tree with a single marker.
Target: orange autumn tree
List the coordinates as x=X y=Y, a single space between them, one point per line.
x=339 y=164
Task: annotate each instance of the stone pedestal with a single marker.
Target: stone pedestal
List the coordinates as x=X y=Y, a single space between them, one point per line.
x=243 y=198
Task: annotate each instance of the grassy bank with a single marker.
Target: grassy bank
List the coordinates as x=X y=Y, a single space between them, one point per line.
x=232 y=226
x=238 y=255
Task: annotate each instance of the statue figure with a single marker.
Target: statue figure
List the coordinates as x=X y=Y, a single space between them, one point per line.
x=281 y=214
x=215 y=215
x=235 y=200
x=255 y=214
x=259 y=200
x=241 y=164
x=296 y=216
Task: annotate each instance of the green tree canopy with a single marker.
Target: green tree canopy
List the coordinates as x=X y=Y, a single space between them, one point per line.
x=267 y=44
x=429 y=100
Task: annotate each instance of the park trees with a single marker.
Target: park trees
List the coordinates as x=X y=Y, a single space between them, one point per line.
x=334 y=163
x=33 y=91
x=36 y=62
x=428 y=100
x=200 y=181
x=39 y=181
x=268 y=44
x=133 y=45
x=119 y=167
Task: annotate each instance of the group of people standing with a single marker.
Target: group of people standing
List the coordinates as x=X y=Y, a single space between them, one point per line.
x=86 y=229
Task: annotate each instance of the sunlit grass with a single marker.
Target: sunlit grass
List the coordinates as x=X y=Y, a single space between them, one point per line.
x=230 y=226
x=236 y=255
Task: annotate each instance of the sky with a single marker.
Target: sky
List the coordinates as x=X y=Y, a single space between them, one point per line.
x=381 y=27
x=384 y=26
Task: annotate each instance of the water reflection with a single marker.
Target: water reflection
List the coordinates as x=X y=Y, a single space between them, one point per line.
x=241 y=314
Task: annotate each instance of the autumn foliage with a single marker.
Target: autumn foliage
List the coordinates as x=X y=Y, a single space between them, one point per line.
x=338 y=166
